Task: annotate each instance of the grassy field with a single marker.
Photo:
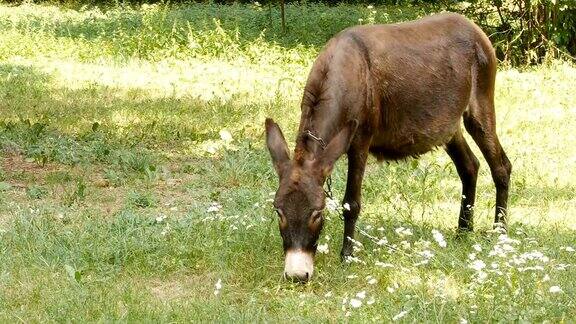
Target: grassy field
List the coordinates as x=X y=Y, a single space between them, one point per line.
x=134 y=184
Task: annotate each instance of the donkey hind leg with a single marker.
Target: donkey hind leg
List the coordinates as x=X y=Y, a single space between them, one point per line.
x=480 y=122
x=357 y=157
x=467 y=166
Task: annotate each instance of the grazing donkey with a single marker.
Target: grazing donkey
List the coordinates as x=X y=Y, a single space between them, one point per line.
x=394 y=91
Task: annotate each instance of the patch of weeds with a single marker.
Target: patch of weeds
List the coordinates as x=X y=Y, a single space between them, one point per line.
x=141 y=199
x=58 y=177
x=136 y=161
x=115 y=178
x=5 y=186
x=78 y=194
x=188 y=168
x=151 y=172
x=36 y=192
x=74 y=274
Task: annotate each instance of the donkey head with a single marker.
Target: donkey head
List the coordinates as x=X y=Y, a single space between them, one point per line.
x=300 y=198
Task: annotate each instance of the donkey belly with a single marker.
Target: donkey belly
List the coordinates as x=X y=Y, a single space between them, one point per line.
x=395 y=144
x=416 y=123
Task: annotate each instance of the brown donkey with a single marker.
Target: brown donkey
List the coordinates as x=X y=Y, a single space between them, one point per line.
x=395 y=91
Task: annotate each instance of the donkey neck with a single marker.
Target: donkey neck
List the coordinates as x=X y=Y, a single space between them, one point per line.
x=323 y=121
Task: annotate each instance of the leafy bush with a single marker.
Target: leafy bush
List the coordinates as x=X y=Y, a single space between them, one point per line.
x=525 y=31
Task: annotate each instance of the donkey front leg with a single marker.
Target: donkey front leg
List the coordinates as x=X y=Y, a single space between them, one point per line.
x=356 y=164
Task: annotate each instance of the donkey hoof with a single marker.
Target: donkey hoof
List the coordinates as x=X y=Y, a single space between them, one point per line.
x=500 y=227
x=345 y=254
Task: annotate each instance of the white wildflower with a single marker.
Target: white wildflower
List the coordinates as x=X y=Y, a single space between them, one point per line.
x=423 y=262
x=477 y=265
x=218 y=286
x=546 y=278
x=561 y=266
x=370 y=7
x=426 y=254
x=353 y=259
x=372 y=281
x=399 y=315
x=225 y=136
x=370 y=301
x=328 y=294
x=482 y=276
x=477 y=247
x=555 y=289
x=355 y=302
x=534 y=268
x=346 y=206
x=384 y=265
x=211 y=148
x=165 y=230
x=401 y=231
x=534 y=255
x=569 y=249
x=214 y=207
x=382 y=241
x=439 y=238
x=323 y=248
x=503 y=238
x=361 y=294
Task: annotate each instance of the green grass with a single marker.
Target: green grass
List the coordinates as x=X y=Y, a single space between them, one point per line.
x=111 y=133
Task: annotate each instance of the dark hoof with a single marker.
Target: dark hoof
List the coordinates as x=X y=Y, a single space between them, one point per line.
x=345 y=253
x=500 y=227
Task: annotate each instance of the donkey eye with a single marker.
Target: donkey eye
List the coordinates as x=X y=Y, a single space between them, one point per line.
x=316 y=215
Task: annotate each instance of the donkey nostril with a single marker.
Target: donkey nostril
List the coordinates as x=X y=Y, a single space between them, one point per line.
x=297 y=277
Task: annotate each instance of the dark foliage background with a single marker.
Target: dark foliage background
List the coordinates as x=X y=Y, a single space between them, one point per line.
x=522 y=31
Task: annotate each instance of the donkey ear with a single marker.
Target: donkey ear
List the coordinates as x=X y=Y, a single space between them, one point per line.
x=337 y=146
x=276 y=145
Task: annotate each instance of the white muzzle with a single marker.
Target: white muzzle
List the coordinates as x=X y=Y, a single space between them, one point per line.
x=299 y=265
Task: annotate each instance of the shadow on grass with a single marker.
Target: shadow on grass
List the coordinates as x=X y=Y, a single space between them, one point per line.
x=129 y=139
x=31 y=98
